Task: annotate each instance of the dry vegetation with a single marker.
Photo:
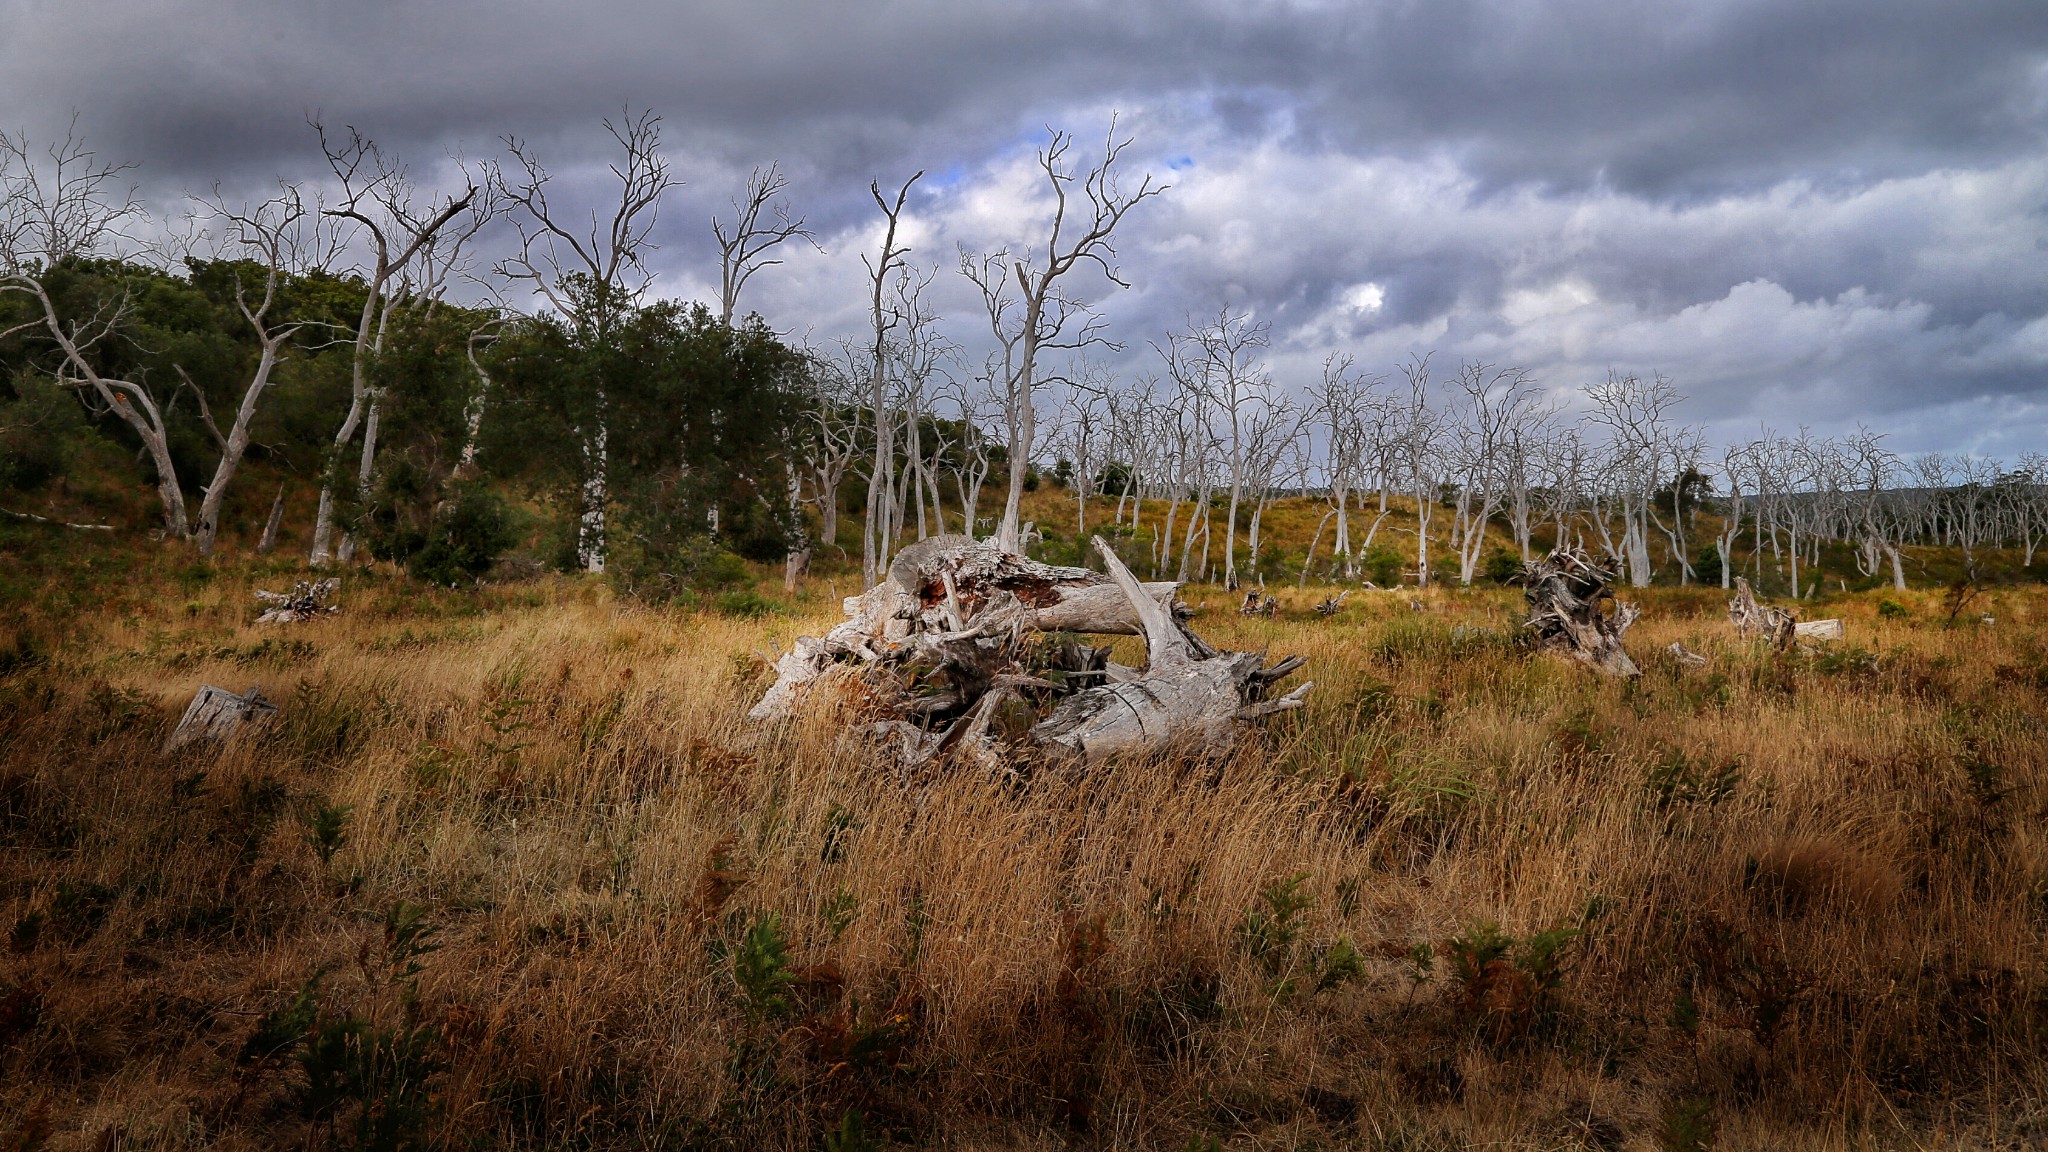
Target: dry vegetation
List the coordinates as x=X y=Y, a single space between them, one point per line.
x=510 y=870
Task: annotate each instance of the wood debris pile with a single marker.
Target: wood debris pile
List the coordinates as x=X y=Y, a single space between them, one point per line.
x=955 y=651
x=306 y=600
x=1565 y=590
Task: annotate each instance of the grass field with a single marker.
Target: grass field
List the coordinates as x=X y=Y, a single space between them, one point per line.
x=510 y=870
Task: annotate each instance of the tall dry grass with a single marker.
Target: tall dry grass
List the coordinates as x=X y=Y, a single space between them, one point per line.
x=1469 y=897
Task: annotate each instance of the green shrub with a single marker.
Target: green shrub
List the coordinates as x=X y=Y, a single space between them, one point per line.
x=468 y=533
x=1382 y=565
x=1891 y=609
x=1501 y=565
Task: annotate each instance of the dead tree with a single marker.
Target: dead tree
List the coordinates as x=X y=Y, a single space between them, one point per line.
x=73 y=207
x=1330 y=606
x=1565 y=590
x=1038 y=318
x=1754 y=620
x=743 y=245
x=590 y=276
x=306 y=600
x=377 y=197
x=949 y=654
x=1257 y=603
x=1190 y=697
x=948 y=591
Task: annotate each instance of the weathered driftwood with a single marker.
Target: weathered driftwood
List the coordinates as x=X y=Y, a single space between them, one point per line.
x=307 y=599
x=1685 y=657
x=1818 y=630
x=216 y=714
x=949 y=601
x=1329 y=605
x=1564 y=591
x=1761 y=621
x=1189 y=695
x=951 y=651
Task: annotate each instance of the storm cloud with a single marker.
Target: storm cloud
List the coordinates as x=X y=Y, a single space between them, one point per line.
x=1802 y=213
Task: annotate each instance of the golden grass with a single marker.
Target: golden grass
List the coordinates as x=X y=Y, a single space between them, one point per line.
x=1809 y=893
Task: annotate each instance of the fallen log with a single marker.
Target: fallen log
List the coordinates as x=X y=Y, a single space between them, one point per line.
x=951 y=656
x=1189 y=695
x=1564 y=591
x=945 y=594
x=306 y=600
x=215 y=714
x=1818 y=630
x=1754 y=620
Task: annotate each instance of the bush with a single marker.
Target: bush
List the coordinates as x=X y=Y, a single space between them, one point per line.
x=1501 y=565
x=468 y=533
x=1382 y=565
x=1891 y=609
x=746 y=604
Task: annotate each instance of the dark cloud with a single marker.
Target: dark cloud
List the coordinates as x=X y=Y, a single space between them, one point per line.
x=1795 y=209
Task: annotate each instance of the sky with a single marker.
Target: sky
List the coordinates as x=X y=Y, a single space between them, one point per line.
x=1803 y=213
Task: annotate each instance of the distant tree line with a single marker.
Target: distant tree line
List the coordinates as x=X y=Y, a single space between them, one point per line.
x=351 y=333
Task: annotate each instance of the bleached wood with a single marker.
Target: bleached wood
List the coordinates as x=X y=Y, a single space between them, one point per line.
x=215 y=714
x=307 y=599
x=1565 y=590
x=1818 y=630
x=1752 y=619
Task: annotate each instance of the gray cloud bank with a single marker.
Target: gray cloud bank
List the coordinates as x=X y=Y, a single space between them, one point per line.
x=1812 y=212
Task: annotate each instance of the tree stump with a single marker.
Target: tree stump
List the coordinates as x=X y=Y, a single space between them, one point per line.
x=1565 y=590
x=1754 y=620
x=216 y=714
x=306 y=600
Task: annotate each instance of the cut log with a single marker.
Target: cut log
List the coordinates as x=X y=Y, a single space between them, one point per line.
x=1189 y=696
x=1818 y=630
x=306 y=600
x=216 y=714
x=1565 y=590
x=1760 y=621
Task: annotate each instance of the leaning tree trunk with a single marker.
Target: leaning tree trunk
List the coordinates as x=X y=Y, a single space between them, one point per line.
x=1565 y=590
